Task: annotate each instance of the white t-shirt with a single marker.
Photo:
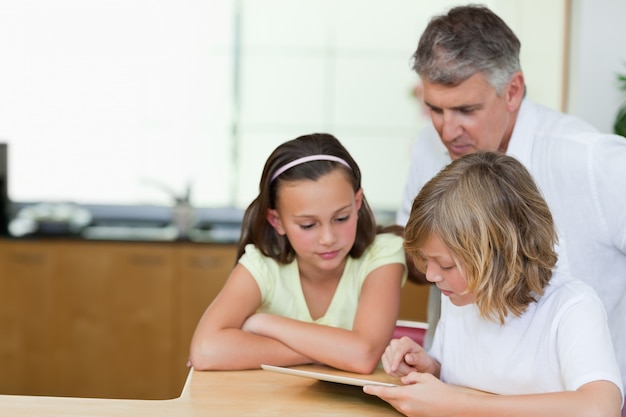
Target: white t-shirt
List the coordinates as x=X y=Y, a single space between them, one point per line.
x=560 y=343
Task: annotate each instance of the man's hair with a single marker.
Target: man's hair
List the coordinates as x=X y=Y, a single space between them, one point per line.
x=488 y=212
x=465 y=41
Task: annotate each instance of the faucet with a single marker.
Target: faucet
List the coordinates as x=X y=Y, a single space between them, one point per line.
x=183 y=216
x=182 y=213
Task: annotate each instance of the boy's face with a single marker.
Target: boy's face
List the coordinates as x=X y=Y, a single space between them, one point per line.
x=442 y=270
x=471 y=116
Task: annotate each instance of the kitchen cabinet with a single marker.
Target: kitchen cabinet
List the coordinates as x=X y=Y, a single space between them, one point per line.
x=202 y=271
x=111 y=319
x=27 y=273
x=103 y=319
x=413 y=302
x=74 y=310
x=114 y=317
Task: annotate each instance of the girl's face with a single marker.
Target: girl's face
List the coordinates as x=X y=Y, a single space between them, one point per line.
x=442 y=270
x=319 y=219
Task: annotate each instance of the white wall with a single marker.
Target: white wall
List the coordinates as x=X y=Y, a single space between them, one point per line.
x=598 y=53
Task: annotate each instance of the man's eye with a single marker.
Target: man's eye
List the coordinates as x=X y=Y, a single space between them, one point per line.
x=468 y=110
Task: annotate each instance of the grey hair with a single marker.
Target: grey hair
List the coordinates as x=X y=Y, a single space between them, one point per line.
x=465 y=41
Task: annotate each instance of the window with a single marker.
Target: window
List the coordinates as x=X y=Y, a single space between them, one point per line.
x=128 y=101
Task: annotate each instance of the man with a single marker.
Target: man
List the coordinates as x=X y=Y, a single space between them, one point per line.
x=468 y=62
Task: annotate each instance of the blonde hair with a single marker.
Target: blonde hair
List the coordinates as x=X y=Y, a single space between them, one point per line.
x=486 y=208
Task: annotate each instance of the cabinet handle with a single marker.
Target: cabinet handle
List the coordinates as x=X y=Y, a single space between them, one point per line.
x=28 y=258
x=204 y=262
x=147 y=260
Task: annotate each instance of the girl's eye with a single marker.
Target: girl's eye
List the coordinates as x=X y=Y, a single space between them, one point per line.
x=343 y=219
x=306 y=226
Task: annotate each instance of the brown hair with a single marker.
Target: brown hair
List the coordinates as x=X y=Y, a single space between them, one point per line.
x=488 y=211
x=256 y=229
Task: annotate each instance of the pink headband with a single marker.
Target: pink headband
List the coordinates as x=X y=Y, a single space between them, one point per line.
x=307 y=159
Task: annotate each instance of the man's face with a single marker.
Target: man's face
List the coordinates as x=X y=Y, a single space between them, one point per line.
x=471 y=116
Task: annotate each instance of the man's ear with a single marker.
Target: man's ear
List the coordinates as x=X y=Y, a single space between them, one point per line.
x=358 y=199
x=515 y=91
x=273 y=219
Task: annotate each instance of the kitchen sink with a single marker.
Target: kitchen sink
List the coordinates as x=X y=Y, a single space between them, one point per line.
x=148 y=233
x=155 y=224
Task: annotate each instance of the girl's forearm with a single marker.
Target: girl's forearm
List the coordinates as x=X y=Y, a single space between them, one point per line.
x=235 y=349
x=332 y=346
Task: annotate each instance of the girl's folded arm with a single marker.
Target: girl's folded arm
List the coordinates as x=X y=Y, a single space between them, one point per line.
x=219 y=343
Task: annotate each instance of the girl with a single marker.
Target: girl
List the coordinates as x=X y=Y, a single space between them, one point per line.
x=481 y=231
x=314 y=283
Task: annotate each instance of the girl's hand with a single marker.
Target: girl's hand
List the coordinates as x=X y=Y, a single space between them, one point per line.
x=403 y=356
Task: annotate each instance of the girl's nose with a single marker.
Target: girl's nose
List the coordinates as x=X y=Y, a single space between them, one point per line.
x=327 y=235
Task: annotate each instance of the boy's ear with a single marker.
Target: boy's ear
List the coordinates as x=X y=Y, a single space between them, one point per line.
x=273 y=219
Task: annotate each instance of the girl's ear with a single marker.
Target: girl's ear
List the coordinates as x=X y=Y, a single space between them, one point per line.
x=273 y=219
x=358 y=198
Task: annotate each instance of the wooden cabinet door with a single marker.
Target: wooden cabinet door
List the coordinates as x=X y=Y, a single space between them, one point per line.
x=27 y=271
x=202 y=270
x=142 y=314
x=84 y=332
x=113 y=323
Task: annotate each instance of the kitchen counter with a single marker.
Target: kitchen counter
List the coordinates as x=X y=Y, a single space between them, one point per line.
x=133 y=223
x=141 y=223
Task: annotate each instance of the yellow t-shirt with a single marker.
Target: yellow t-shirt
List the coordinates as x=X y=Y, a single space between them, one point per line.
x=281 y=291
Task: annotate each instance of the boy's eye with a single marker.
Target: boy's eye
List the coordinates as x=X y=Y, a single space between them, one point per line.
x=445 y=267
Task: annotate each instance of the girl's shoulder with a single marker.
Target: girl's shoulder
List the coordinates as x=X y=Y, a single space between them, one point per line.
x=385 y=243
x=386 y=248
x=254 y=260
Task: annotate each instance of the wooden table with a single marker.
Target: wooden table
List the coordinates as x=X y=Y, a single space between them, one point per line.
x=234 y=393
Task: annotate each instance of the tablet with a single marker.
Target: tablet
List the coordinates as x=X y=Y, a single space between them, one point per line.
x=326 y=373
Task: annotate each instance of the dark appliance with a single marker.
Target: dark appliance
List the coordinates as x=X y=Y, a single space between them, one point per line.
x=4 y=189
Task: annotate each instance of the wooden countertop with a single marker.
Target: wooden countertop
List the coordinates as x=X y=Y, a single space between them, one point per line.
x=228 y=393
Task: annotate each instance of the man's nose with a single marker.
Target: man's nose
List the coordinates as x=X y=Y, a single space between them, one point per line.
x=451 y=128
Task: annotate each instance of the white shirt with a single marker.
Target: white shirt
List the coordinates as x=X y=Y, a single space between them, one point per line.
x=582 y=175
x=560 y=343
